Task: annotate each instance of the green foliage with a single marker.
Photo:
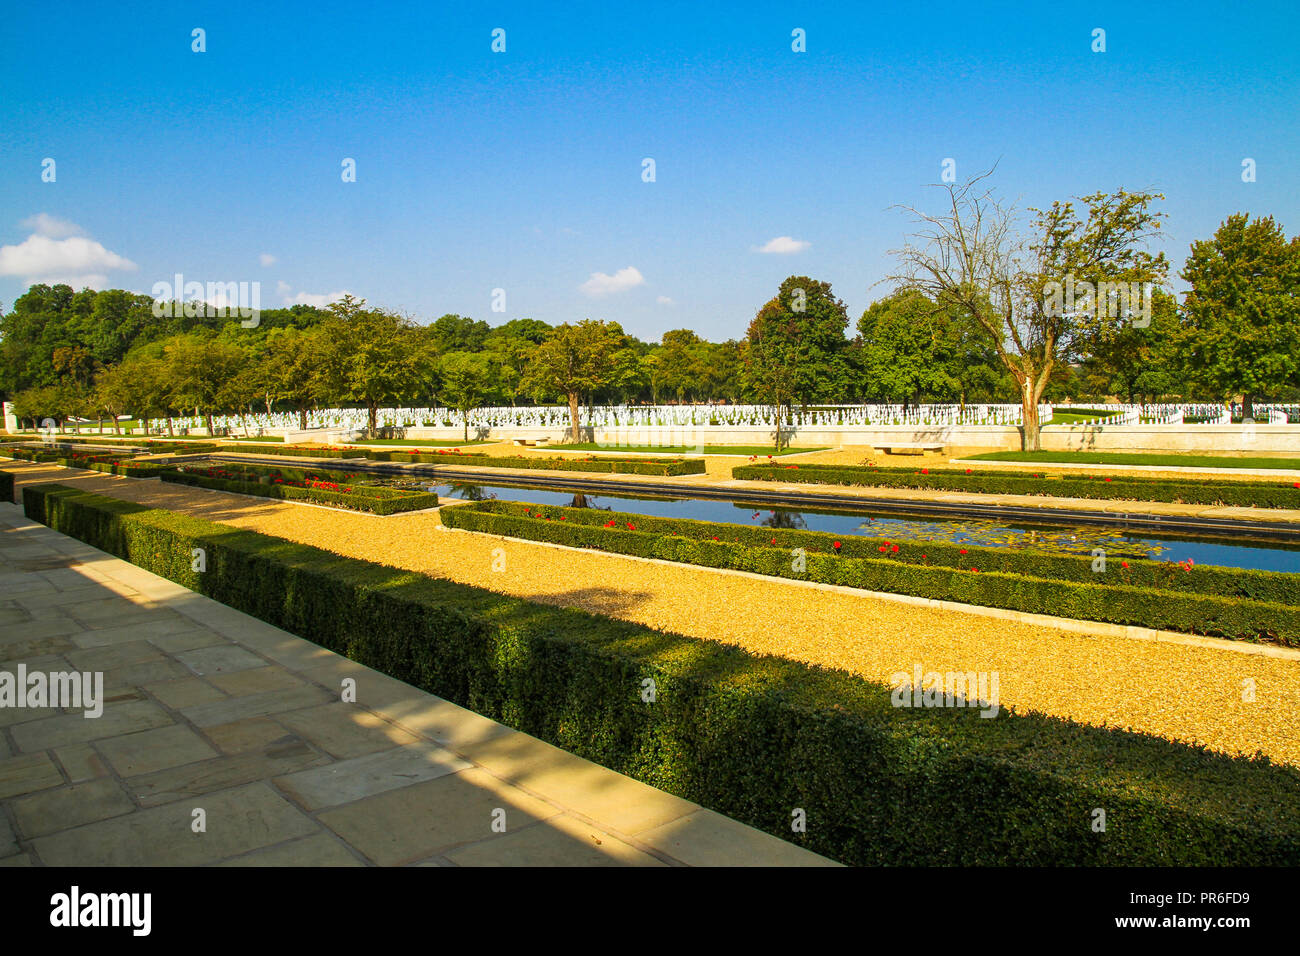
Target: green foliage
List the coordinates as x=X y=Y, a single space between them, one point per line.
x=6 y=486
x=747 y=736
x=1243 y=309
x=608 y=464
x=380 y=501
x=296 y=451
x=1259 y=494
x=1239 y=605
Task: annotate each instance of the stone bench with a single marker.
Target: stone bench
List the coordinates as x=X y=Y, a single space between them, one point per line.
x=909 y=447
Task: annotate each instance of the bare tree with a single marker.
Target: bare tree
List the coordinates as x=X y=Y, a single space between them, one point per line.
x=1041 y=294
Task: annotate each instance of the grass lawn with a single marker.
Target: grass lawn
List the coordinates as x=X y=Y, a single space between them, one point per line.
x=1075 y=415
x=760 y=450
x=419 y=442
x=1121 y=458
x=264 y=438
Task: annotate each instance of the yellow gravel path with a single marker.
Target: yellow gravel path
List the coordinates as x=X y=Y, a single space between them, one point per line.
x=1181 y=692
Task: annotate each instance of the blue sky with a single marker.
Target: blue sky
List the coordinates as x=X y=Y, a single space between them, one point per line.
x=523 y=170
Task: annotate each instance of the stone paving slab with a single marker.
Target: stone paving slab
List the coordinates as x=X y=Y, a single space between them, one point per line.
x=225 y=741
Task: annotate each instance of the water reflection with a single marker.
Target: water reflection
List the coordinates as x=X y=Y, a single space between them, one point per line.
x=1080 y=540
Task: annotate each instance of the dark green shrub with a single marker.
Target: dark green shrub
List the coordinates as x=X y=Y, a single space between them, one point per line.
x=1260 y=494
x=380 y=501
x=748 y=736
x=667 y=467
x=984 y=576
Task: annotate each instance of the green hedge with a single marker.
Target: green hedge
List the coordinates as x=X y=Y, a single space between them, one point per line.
x=130 y=469
x=1236 y=618
x=1262 y=494
x=380 y=501
x=748 y=736
x=292 y=451
x=6 y=486
x=668 y=467
x=1278 y=587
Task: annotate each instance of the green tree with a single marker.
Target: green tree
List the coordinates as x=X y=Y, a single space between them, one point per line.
x=972 y=258
x=1243 y=310
x=468 y=381
x=576 y=360
x=369 y=356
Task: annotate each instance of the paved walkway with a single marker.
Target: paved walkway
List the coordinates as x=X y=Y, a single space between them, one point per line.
x=207 y=709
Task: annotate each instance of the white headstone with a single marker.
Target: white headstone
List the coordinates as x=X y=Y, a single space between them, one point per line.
x=11 y=420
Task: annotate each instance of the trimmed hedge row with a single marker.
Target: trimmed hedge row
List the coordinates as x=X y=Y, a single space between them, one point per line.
x=1235 y=618
x=1278 y=587
x=6 y=486
x=292 y=451
x=748 y=736
x=668 y=467
x=1262 y=494
x=130 y=469
x=379 y=501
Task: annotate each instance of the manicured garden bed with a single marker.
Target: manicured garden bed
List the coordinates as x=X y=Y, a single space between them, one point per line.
x=1238 y=604
x=1260 y=494
x=748 y=736
x=295 y=451
x=662 y=467
x=1126 y=458
x=6 y=486
x=354 y=497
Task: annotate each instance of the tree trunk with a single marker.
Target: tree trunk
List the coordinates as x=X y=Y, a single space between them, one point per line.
x=778 y=427
x=1247 y=407
x=374 y=420
x=171 y=431
x=1029 y=431
x=464 y=417
x=302 y=418
x=574 y=435
x=208 y=419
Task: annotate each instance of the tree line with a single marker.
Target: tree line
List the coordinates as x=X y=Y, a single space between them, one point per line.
x=969 y=320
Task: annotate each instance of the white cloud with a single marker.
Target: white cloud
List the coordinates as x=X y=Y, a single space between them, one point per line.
x=75 y=260
x=43 y=224
x=784 y=246
x=283 y=288
x=665 y=300
x=320 y=301
x=267 y=259
x=601 y=284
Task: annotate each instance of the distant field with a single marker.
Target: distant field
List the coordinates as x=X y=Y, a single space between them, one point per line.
x=1121 y=458
x=762 y=450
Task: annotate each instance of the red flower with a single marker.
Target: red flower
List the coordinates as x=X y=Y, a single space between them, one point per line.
x=881 y=549
x=925 y=471
x=1297 y=484
x=774 y=540
x=976 y=570
x=923 y=557
x=894 y=549
x=836 y=546
x=631 y=526
x=1108 y=479
x=963 y=551
x=1123 y=564
x=562 y=517
x=968 y=471
x=715 y=537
